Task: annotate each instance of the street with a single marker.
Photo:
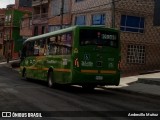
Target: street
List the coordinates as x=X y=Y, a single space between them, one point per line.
x=20 y=95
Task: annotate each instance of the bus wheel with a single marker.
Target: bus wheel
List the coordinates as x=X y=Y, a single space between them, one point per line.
x=88 y=87
x=24 y=74
x=50 y=80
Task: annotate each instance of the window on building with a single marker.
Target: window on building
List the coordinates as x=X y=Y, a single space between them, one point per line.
x=132 y=24
x=98 y=19
x=66 y=6
x=10 y=17
x=30 y=22
x=136 y=54
x=1 y=35
x=43 y=29
x=36 y=30
x=54 y=28
x=44 y=10
x=56 y=9
x=6 y=18
x=80 y=20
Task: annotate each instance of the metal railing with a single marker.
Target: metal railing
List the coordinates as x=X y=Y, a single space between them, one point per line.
x=39 y=2
x=39 y=16
x=7 y=37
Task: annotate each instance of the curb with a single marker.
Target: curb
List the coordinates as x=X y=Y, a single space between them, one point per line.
x=151 y=81
x=153 y=96
x=149 y=72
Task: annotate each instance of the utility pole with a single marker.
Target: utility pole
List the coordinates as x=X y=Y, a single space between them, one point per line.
x=61 y=13
x=113 y=13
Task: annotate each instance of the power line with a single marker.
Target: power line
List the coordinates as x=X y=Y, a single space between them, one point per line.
x=109 y=3
x=90 y=8
x=96 y=6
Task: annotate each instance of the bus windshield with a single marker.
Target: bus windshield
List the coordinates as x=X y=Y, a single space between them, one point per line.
x=98 y=37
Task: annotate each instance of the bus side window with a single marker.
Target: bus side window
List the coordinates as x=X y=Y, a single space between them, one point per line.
x=69 y=50
x=66 y=46
x=69 y=39
x=23 y=53
x=53 y=49
x=65 y=50
x=29 y=49
x=60 y=44
x=36 y=51
x=36 y=48
x=42 y=47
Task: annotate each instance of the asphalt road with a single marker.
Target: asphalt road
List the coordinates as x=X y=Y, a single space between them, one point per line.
x=70 y=102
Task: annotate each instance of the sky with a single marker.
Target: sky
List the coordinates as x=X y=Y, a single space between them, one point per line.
x=3 y=3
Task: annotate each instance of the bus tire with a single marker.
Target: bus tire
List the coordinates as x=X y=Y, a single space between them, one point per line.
x=50 y=79
x=24 y=74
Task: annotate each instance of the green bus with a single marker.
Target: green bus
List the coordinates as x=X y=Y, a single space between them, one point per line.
x=79 y=55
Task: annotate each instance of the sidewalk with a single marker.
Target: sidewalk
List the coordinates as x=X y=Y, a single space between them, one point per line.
x=148 y=84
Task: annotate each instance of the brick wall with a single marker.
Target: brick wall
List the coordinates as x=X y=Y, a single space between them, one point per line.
x=89 y=5
x=27 y=32
x=56 y=19
x=26 y=28
x=150 y=38
x=141 y=8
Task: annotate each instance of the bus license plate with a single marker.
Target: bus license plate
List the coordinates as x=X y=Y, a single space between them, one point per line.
x=99 y=77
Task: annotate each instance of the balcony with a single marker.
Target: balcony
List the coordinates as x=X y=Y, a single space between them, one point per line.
x=40 y=16
x=7 y=37
x=7 y=24
x=39 y=2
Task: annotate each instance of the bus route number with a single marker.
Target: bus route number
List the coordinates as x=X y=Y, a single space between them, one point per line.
x=108 y=37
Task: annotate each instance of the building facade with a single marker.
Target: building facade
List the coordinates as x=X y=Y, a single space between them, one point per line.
x=12 y=38
x=59 y=14
x=26 y=26
x=140 y=39
x=40 y=16
x=23 y=3
x=2 y=18
x=26 y=29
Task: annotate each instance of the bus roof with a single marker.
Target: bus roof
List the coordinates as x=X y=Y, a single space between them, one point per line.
x=49 y=34
x=46 y=35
